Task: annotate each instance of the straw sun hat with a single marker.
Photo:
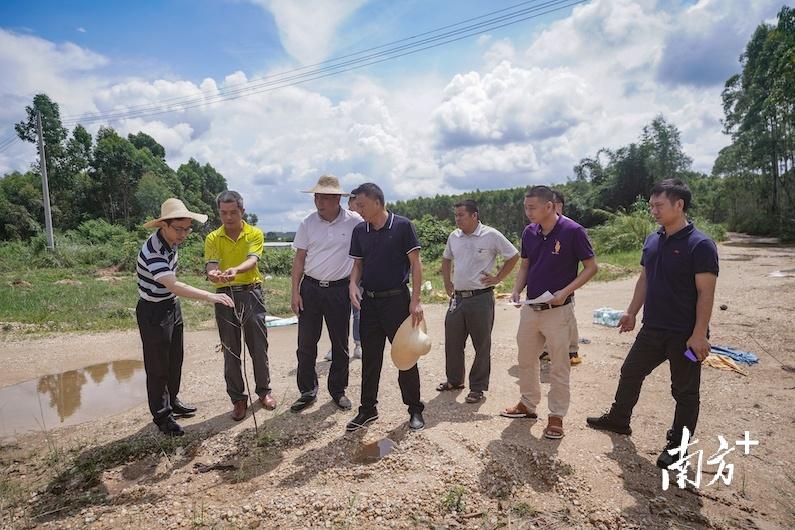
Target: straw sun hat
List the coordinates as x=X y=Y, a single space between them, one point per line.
x=329 y=185
x=410 y=344
x=175 y=209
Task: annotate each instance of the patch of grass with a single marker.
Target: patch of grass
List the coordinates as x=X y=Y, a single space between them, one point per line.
x=11 y=492
x=523 y=509
x=268 y=439
x=453 y=499
x=31 y=302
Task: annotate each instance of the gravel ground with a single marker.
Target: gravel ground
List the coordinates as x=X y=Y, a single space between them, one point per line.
x=469 y=468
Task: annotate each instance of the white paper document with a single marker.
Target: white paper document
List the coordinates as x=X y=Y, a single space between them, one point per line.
x=543 y=299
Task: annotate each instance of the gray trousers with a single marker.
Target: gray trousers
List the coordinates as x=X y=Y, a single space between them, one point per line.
x=471 y=317
x=250 y=306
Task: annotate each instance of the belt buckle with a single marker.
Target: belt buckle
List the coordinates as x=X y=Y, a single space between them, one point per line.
x=538 y=307
x=371 y=294
x=323 y=283
x=467 y=294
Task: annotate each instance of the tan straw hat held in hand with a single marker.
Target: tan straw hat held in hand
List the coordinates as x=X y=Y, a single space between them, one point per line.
x=410 y=344
x=329 y=185
x=175 y=209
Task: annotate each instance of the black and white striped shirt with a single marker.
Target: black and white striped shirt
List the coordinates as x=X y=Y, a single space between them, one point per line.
x=156 y=259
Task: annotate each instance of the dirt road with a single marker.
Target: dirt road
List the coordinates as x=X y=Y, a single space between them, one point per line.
x=469 y=468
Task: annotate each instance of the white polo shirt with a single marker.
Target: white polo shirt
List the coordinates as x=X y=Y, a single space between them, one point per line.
x=327 y=245
x=474 y=254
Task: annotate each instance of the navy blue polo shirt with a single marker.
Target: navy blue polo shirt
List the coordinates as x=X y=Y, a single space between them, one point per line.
x=384 y=252
x=671 y=265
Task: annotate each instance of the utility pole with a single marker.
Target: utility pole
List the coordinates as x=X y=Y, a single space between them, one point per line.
x=45 y=187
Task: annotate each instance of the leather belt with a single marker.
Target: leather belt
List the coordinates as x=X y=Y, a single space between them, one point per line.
x=325 y=283
x=544 y=307
x=475 y=292
x=239 y=288
x=385 y=294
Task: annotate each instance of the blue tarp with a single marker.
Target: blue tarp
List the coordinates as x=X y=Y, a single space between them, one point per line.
x=740 y=356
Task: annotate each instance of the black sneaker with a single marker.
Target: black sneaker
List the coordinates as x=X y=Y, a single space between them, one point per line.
x=303 y=402
x=606 y=423
x=343 y=402
x=361 y=420
x=416 y=421
x=169 y=427
x=666 y=459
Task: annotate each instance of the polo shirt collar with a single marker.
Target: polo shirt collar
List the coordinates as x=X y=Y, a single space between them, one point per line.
x=389 y=220
x=477 y=232
x=336 y=219
x=246 y=229
x=681 y=234
x=166 y=248
x=540 y=229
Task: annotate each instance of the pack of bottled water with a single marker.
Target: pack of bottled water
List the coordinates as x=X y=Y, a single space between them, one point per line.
x=607 y=316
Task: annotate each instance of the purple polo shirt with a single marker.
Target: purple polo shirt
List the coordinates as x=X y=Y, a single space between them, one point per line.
x=671 y=265
x=555 y=257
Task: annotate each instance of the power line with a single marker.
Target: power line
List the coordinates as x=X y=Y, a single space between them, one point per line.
x=335 y=69
x=310 y=66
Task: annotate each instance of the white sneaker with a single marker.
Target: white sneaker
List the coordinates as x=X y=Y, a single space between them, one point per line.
x=328 y=356
x=357 y=351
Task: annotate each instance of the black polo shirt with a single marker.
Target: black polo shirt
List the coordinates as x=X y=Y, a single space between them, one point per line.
x=671 y=265
x=384 y=252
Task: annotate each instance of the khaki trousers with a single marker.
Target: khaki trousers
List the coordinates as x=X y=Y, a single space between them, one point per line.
x=553 y=327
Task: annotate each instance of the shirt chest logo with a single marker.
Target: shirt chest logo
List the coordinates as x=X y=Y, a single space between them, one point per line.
x=556 y=250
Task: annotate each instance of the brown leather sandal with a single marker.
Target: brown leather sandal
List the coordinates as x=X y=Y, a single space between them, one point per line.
x=554 y=429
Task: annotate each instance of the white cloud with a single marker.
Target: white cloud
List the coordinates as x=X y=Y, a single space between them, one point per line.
x=308 y=28
x=81 y=30
x=522 y=115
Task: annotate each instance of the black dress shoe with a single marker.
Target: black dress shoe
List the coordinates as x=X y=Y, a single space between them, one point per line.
x=343 y=402
x=181 y=409
x=303 y=402
x=169 y=427
x=361 y=420
x=606 y=423
x=416 y=423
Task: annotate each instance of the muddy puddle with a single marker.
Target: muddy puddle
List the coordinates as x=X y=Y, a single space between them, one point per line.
x=373 y=452
x=72 y=397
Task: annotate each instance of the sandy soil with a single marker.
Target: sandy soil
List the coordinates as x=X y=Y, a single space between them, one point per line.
x=469 y=468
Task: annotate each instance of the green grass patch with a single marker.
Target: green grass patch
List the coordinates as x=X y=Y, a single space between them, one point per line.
x=39 y=301
x=35 y=301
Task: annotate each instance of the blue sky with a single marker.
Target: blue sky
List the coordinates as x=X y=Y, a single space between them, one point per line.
x=510 y=107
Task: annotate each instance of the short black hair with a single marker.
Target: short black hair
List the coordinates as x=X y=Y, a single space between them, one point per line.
x=674 y=189
x=229 y=196
x=470 y=206
x=541 y=192
x=368 y=189
x=558 y=197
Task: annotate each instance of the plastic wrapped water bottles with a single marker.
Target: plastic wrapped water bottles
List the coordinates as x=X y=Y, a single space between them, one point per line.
x=606 y=316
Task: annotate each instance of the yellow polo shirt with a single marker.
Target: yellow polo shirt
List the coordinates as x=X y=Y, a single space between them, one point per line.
x=221 y=249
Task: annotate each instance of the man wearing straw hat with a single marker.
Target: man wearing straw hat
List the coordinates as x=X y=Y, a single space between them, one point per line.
x=385 y=249
x=232 y=254
x=320 y=276
x=159 y=316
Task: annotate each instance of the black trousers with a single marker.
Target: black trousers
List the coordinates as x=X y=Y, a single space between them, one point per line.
x=380 y=320
x=471 y=317
x=251 y=308
x=333 y=305
x=160 y=325
x=651 y=348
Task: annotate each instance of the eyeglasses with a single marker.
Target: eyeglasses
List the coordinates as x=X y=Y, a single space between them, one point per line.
x=180 y=230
